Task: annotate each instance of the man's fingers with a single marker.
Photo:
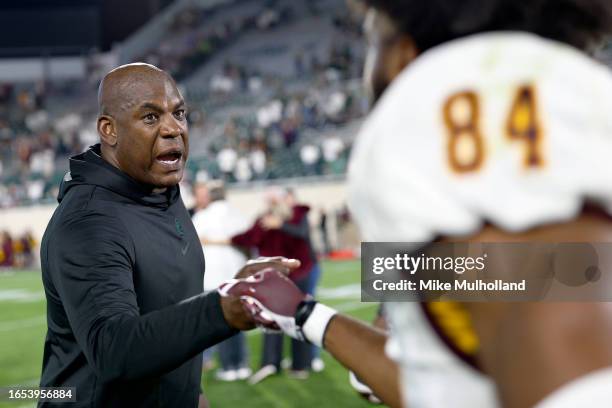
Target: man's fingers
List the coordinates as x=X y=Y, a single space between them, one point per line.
x=285 y=266
x=263 y=259
x=280 y=263
x=291 y=263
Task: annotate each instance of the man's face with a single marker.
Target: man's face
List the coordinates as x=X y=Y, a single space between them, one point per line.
x=152 y=134
x=387 y=53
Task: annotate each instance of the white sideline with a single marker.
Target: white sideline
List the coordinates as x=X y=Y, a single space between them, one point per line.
x=22 y=324
x=20 y=295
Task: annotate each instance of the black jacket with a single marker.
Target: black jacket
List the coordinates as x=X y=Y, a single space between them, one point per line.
x=123 y=271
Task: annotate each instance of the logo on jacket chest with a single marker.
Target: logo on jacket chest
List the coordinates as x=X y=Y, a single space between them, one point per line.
x=179 y=228
x=181 y=233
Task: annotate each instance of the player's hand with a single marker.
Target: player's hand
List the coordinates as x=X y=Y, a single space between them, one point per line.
x=233 y=310
x=275 y=303
x=280 y=263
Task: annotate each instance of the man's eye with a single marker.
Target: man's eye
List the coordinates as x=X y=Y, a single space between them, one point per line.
x=150 y=118
x=180 y=114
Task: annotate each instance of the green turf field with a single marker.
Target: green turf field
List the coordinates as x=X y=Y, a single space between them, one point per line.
x=22 y=330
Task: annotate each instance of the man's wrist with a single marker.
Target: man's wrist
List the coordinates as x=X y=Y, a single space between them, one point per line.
x=314 y=317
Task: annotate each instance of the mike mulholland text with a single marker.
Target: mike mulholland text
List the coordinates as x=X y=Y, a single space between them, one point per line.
x=437 y=285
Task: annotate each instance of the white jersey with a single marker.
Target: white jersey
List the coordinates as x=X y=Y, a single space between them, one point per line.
x=220 y=221
x=505 y=128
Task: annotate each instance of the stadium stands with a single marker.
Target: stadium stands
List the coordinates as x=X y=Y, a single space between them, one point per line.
x=272 y=89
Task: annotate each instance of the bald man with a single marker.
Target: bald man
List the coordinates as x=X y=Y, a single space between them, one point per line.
x=122 y=265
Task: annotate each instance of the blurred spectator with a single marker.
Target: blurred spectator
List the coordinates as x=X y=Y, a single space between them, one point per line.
x=219 y=221
x=43 y=162
x=201 y=197
x=298 y=64
x=28 y=244
x=335 y=105
x=290 y=132
x=243 y=172
x=324 y=231
x=227 y=159
x=221 y=83
x=301 y=231
x=310 y=155
x=332 y=147
x=268 y=19
x=278 y=232
x=6 y=250
x=257 y=158
x=270 y=113
x=44 y=122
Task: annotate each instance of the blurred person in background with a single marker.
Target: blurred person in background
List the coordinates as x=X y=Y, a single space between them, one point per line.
x=323 y=229
x=332 y=147
x=29 y=244
x=201 y=200
x=310 y=155
x=298 y=227
x=6 y=250
x=219 y=221
x=226 y=160
x=200 y=196
x=279 y=232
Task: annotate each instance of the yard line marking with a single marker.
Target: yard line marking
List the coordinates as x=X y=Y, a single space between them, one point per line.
x=352 y=306
x=297 y=390
x=20 y=295
x=345 y=291
x=22 y=324
x=272 y=398
x=26 y=383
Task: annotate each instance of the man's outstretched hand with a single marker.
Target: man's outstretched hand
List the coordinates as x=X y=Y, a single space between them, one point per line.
x=233 y=310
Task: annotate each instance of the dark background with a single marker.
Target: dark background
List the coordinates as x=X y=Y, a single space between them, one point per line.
x=70 y=27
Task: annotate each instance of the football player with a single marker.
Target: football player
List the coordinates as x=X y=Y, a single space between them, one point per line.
x=492 y=124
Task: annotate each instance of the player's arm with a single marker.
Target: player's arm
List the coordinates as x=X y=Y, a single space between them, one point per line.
x=361 y=349
x=559 y=343
x=276 y=302
x=364 y=391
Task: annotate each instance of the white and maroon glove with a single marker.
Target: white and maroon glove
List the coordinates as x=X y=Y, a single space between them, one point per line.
x=275 y=303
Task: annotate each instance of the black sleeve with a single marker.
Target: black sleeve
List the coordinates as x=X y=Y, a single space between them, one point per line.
x=92 y=259
x=301 y=230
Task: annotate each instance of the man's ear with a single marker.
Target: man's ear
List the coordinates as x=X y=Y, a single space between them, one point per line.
x=106 y=130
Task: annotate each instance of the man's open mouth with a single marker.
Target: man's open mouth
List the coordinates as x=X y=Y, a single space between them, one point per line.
x=170 y=157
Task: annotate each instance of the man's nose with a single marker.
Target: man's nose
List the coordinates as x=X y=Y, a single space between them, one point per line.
x=171 y=127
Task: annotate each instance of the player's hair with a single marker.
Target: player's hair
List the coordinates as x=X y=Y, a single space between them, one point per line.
x=581 y=23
